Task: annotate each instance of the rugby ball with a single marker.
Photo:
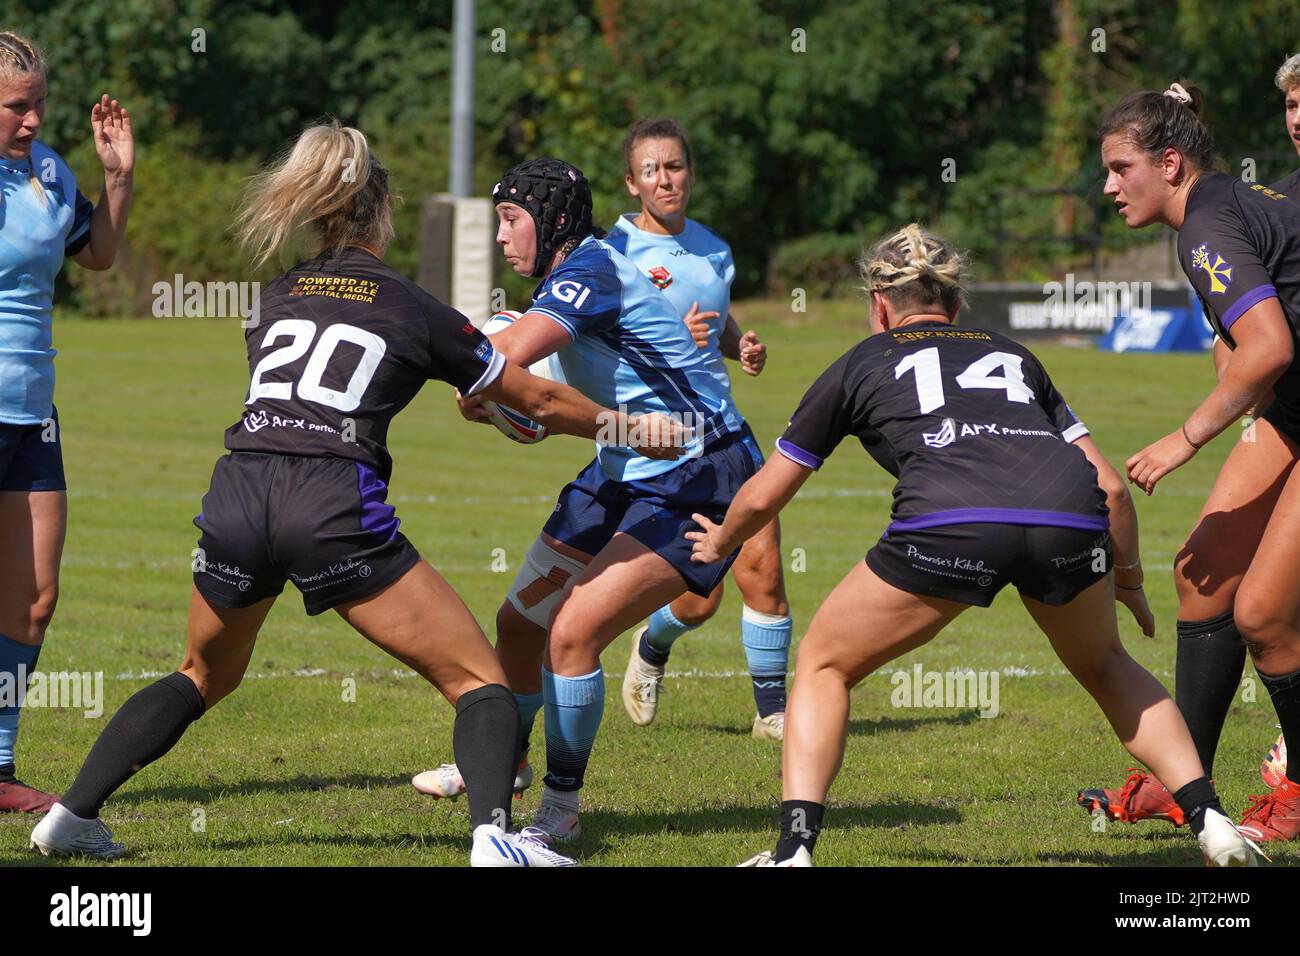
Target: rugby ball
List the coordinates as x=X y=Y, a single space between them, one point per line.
x=512 y=424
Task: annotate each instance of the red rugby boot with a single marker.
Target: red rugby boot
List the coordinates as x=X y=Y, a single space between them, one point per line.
x=1141 y=798
x=1274 y=815
x=17 y=797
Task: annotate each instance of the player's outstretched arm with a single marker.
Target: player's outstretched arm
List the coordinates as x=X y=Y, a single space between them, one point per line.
x=759 y=501
x=530 y=338
x=1264 y=351
x=566 y=410
x=1126 y=556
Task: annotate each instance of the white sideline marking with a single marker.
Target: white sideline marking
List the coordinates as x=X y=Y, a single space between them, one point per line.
x=692 y=674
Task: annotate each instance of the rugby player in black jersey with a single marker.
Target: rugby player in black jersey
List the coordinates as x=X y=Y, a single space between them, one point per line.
x=998 y=483
x=1288 y=82
x=1239 y=245
x=1273 y=769
x=343 y=343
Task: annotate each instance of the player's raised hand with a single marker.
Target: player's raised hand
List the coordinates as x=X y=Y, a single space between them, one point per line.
x=1158 y=459
x=697 y=323
x=658 y=436
x=471 y=409
x=111 y=125
x=753 y=353
x=706 y=545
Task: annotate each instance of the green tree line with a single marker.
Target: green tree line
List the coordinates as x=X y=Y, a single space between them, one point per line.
x=815 y=125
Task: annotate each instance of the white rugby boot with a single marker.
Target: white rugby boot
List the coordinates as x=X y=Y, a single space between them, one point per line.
x=771 y=727
x=642 y=684
x=494 y=847
x=62 y=833
x=1222 y=844
x=801 y=858
x=446 y=781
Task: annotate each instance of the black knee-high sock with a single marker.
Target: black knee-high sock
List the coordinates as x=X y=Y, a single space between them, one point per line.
x=1284 y=689
x=484 y=741
x=1210 y=660
x=146 y=727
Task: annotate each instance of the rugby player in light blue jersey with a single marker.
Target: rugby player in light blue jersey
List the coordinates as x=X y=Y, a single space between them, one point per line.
x=693 y=267
x=612 y=551
x=44 y=219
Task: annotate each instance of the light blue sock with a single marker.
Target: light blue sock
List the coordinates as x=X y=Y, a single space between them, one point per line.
x=529 y=705
x=17 y=661
x=574 y=707
x=662 y=630
x=767 y=650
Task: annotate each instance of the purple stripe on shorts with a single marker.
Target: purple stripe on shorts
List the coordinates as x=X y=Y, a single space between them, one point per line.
x=1253 y=297
x=1057 y=519
x=377 y=517
x=798 y=455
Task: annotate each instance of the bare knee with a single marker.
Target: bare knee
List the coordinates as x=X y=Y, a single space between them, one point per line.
x=211 y=685
x=1259 y=621
x=813 y=665
x=692 y=610
x=568 y=638
x=1099 y=672
x=761 y=582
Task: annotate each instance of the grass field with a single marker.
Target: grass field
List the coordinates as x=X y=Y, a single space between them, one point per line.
x=286 y=771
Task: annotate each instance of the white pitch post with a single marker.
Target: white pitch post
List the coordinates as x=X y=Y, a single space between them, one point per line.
x=473 y=224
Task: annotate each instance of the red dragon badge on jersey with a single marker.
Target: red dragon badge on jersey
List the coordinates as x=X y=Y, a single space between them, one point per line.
x=661 y=277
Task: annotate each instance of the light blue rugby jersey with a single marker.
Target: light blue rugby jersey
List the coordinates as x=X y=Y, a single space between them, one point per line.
x=34 y=238
x=630 y=348
x=693 y=266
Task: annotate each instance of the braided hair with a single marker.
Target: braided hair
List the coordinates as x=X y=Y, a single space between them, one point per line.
x=914 y=268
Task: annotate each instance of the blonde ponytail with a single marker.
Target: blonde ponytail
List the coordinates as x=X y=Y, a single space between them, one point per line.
x=329 y=180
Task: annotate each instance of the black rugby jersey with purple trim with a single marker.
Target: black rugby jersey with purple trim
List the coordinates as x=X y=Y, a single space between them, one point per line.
x=1240 y=245
x=966 y=419
x=342 y=344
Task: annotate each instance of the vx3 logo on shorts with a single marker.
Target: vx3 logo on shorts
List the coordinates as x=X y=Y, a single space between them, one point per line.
x=945 y=436
x=256 y=421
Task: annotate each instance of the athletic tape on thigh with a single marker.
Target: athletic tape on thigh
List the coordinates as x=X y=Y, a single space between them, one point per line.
x=543 y=580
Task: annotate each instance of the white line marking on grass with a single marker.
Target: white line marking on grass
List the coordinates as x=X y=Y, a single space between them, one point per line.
x=692 y=674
